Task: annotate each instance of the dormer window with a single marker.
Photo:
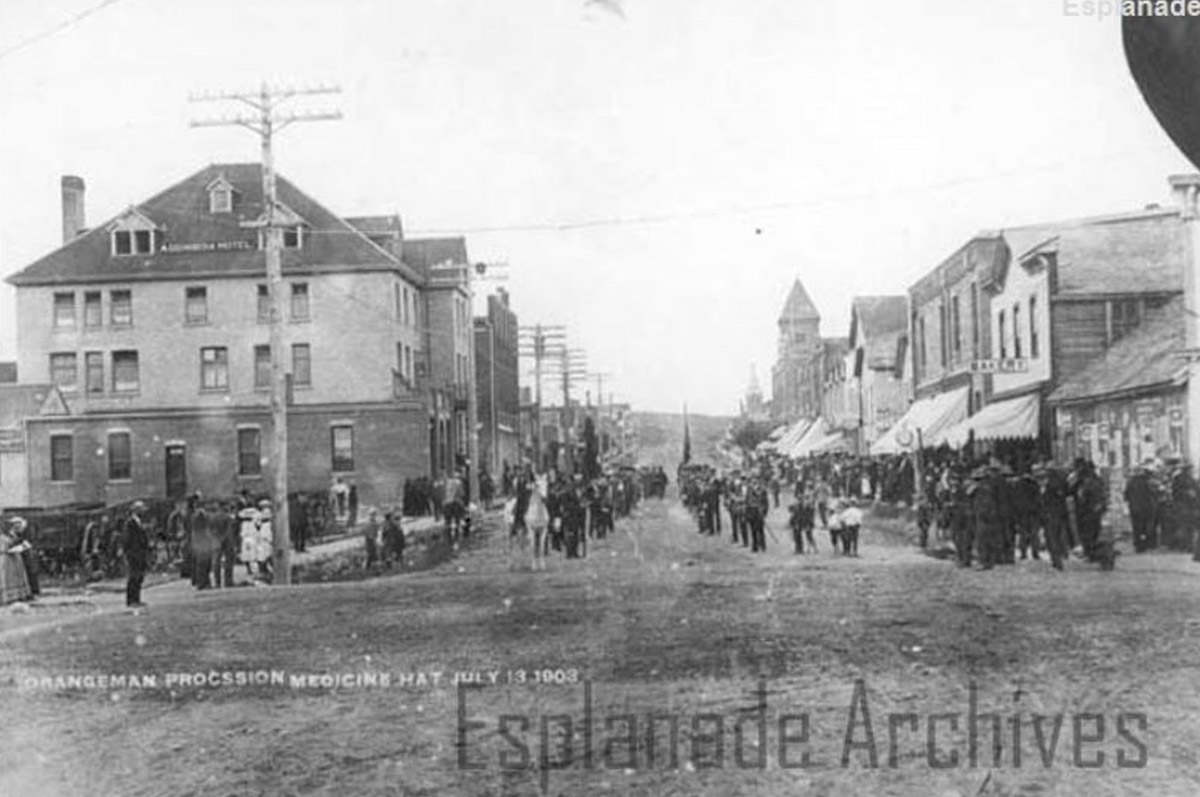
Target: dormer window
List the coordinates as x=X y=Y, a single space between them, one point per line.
x=220 y=195
x=220 y=201
x=290 y=222
x=134 y=234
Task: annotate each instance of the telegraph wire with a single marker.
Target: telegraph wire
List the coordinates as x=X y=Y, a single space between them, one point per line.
x=59 y=28
x=747 y=210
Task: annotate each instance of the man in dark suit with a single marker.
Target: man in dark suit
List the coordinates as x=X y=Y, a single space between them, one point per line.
x=137 y=554
x=1139 y=494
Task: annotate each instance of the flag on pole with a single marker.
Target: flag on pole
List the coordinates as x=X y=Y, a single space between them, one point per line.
x=687 y=439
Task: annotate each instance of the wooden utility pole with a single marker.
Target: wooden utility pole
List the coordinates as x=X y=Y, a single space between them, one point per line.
x=266 y=122
x=535 y=345
x=574 y=367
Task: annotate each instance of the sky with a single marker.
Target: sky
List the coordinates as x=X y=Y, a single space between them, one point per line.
x=653 y=181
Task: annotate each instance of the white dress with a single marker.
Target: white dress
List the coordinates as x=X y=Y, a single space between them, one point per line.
x=248 y=526
x=265 y=538
x=14 y=581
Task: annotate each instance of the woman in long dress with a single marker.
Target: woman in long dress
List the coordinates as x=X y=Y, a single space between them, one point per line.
x=14 y=582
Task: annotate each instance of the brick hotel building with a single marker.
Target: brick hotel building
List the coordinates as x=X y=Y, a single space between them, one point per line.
x=154 y=328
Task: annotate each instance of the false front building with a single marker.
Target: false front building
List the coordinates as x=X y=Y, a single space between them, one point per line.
x=155 y=325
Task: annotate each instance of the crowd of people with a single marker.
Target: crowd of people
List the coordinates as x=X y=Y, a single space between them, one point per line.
x=577 y=509
x=1015 y=503
x=822 y=490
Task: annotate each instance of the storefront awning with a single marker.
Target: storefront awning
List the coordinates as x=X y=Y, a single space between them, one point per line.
x=792 y=437
x=931 y=416
x=818 y=440
x=1016 y=417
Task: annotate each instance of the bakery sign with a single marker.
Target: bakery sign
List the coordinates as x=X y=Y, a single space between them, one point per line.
x=206 y=246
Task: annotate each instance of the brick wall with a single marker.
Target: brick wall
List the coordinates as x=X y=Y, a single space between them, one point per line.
x=391 y=443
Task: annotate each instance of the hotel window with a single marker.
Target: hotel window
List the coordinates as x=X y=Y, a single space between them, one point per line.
x=62 y=458
x=64 y=370
x=195 y=309
x=408 y=363
x=133 y=242
x=291 y=238
x=120 y=456
x=214 y=368
x=125 y=371
x=396 y=303
x=300 y=301
x=93 y=313
x=122 y=242
x=1033 y=328
x=121 y=308
x=264 y=305
x=64 y=311
x=220 y=200
x=249 y=443
x=301 y=365
x=93 y=364
x=342 y=448
x=1017 y=331
x=262 y=367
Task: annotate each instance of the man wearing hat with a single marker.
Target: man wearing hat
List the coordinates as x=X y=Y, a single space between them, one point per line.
x=1139 y=495
x=1055 y=513
x=988 y=507
x=136 y=545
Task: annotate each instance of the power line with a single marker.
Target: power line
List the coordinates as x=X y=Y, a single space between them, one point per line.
x=745 y=210
x=59 y=28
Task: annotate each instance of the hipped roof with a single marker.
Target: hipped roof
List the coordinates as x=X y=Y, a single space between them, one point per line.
x=182 y=214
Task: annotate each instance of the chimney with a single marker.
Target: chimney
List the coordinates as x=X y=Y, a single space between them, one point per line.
x=72 y=207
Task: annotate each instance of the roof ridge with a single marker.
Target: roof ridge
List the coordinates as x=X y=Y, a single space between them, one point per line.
x=1080 y=221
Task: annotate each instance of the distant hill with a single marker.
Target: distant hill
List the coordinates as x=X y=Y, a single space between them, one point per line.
x=660 y=437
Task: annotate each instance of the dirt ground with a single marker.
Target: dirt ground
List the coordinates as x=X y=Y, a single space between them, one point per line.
x=839 y=676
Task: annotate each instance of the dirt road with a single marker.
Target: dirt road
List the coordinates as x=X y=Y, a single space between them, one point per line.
x=839 y=676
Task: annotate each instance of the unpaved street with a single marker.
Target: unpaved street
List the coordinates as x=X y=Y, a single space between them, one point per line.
x=767 y=664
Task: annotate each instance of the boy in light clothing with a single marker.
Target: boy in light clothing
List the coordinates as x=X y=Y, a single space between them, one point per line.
x=851 y=520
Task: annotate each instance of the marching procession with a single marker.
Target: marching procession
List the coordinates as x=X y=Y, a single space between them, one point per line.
x=982 y=513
